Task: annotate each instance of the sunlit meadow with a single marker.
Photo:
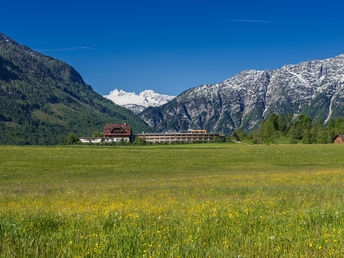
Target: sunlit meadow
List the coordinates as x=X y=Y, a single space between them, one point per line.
x=178 y=200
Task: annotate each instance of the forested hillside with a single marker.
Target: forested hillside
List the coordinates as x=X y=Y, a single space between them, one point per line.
x=42 y=99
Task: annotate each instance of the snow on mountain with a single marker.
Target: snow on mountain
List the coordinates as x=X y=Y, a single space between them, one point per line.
x=137 y=103
x=315 y=88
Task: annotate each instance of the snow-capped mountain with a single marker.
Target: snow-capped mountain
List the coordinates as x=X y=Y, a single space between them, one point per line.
x=315 y=88
x=137 y=103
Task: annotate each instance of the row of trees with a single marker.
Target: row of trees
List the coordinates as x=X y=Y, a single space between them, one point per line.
x=302 y=129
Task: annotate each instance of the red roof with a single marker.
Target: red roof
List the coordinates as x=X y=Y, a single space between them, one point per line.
x=113 y=130
x=338 y=135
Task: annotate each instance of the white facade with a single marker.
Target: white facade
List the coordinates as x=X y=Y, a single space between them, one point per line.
x=99 y=140
x=118 y=139
x=90 y=140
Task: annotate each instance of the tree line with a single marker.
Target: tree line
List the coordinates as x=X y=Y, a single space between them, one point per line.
x=293 y=130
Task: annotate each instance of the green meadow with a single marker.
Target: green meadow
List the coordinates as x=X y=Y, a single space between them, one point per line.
x=217 y=200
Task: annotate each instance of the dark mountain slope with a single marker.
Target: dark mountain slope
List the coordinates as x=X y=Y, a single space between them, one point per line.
x=43 y=99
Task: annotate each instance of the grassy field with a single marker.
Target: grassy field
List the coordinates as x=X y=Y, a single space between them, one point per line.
x=214 y=200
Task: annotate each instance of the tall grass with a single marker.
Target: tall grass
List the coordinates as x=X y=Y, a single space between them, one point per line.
x=190 y=200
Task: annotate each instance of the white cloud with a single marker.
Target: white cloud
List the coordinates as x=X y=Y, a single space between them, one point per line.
x=248 y=21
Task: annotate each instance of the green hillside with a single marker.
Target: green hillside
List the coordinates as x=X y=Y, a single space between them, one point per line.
x=43 y=99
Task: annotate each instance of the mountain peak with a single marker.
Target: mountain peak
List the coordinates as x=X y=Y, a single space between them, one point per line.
x=148 y=92
x=138 y=102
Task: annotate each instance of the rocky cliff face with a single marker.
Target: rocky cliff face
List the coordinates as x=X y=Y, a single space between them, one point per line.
x=314 y=88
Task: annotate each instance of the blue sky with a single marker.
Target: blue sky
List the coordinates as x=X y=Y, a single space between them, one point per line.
x=170 y=46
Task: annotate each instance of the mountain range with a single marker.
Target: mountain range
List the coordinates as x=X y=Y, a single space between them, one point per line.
x=314 y=88
x=137 y=103
x=42 y=99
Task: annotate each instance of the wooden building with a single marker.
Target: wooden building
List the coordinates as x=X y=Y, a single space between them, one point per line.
x=339 y=138
x=116 y=132
x=111 y=133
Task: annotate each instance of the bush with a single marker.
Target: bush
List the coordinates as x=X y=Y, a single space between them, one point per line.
x=140 y=141
x=72 y=139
